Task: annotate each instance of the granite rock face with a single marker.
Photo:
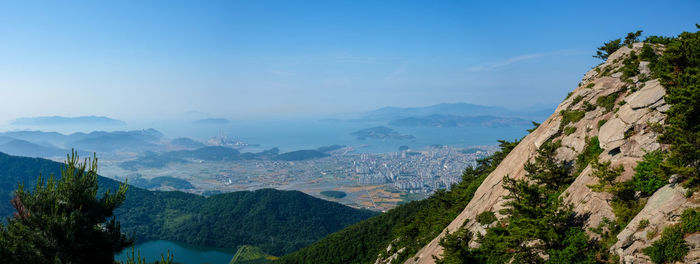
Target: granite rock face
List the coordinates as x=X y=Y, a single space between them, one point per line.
x=625 y=136
x=662 y=209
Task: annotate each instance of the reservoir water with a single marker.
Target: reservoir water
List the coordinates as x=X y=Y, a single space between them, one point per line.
x=182 y=253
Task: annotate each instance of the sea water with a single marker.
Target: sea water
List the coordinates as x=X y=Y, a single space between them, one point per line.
x=182 y=253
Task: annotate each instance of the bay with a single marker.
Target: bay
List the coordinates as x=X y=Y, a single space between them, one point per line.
x=182 y=253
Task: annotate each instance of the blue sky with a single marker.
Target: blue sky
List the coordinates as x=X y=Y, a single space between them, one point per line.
x=252 y=59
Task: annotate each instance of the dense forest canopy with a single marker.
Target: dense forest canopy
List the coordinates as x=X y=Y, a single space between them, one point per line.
x=279 y=222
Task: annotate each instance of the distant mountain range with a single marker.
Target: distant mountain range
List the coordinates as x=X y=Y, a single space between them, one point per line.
x=436 y=120
x=67 y=121
x=452 y=115
x=456 y=109
x=46 y=144
x=25 y=148
x=459 y=109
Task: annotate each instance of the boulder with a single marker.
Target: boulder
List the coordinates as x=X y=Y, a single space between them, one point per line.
x=650 y=94
x=629 y=115
x=612 y=134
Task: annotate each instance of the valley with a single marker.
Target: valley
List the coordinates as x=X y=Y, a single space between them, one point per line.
x=376 y=181
x=349 y=132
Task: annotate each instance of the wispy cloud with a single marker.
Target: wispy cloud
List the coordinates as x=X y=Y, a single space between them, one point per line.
x=517 y=59
x=396 y=73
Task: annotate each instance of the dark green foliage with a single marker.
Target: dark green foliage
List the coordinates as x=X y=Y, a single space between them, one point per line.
x=648 y=54
x=538 y=219
x=632 y=37
x=576 y=100
x=605 y=174
x=577 y=249
x=611 y=46
x=535 y=125
x=588 y=106
x=690 y=221
x=546 y=170
x=569 y=130
x=277 y=221
x=570 y=116
x=457 y=249
x=608 y=101
x=670 y=248
x=589 y=154
x=624 y=204
x=537 y=222
x=608 y=48
x=679 y=71
x=409 y=226
x=643 y=224
x=630 y=66
x=590 y=85
x=358 y=243
x=659 y=40
x=64 y=220
x=486 y=218
x=602 y=122
x=334 y=194
x=608 y=230
x=649 y=176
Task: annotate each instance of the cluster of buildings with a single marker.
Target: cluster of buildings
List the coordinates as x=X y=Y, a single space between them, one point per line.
x=416 y=171
x=410 y=171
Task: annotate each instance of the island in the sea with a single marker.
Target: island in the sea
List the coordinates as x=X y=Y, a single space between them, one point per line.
x=380 y=132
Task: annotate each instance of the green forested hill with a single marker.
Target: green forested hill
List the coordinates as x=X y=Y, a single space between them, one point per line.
x=278 y=222
x=408 y=226
x=537 y=222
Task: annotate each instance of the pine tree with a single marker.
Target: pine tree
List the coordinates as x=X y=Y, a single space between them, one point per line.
x=64 y=220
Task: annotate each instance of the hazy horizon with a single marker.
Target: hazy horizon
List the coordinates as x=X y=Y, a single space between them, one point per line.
x=139 y=60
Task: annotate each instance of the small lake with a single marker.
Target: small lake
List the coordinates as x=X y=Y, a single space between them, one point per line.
x=182 y=253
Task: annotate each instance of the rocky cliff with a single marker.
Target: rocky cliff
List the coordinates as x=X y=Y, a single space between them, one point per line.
x=624 y=112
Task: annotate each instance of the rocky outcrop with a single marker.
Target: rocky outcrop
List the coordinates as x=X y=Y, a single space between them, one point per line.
x=662 y=209
x=625 y=129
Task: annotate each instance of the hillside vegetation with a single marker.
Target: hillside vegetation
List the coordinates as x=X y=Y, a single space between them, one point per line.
x=279 y=222
x=543 y=218
x=539 y=213
x=407 y=227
